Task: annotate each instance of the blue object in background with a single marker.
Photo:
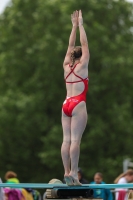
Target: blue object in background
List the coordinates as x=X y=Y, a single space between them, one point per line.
x=104 y=194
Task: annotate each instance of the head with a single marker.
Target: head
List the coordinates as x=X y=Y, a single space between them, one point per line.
x=10 y=174
x=76 y=53
x=98 y=177
x=129 y=175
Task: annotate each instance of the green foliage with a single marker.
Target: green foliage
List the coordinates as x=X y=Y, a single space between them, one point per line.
x=34 y=38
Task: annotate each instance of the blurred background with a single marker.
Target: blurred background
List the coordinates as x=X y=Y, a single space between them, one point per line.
x=33 y=41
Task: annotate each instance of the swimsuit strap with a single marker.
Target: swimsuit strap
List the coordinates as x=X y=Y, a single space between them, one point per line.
x=71 y=70
x=81 y=79
x=78 y=81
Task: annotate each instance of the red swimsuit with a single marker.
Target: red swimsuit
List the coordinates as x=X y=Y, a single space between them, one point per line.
x=70 y=102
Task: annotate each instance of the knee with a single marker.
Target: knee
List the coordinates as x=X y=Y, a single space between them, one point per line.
x=66 y=142
x=75 y=142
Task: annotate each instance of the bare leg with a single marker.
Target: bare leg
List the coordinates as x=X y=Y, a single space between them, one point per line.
x=78 y=124
x=65 y=149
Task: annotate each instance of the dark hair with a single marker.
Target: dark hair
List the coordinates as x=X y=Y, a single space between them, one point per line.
x=99 y=174
x=76 y=53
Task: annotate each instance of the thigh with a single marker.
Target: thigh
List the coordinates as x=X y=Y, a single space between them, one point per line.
x=66 y=125
x=78 y=121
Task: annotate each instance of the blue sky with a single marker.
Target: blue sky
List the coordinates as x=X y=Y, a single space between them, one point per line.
x=4 y=3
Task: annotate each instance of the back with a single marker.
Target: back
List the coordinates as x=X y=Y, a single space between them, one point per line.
x=74 y=77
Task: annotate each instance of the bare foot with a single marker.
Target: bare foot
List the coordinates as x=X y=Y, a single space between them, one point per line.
x=75 y=181
x=68 y=180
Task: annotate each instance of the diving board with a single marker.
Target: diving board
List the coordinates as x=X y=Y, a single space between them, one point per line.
x=50 y=186
x=63 y=191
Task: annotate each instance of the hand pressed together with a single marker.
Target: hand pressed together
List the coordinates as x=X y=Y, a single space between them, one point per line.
x=74 y=18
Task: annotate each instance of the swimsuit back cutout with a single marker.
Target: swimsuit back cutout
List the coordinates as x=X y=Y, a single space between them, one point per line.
x=85 y=81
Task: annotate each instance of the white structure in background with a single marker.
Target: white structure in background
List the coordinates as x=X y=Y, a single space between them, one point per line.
x=1 y=192
x=127 y=164
x=3 y=4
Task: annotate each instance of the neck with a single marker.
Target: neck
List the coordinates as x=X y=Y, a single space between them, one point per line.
x=76 y=61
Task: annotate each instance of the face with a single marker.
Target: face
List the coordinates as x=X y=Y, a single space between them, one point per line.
x=97 y=179
x=129 y=178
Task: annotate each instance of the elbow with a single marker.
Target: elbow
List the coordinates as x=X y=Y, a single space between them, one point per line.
x=84 y=43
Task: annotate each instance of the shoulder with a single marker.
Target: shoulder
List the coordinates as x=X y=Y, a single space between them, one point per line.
x=122 y=180
x=66 y=63
x=92 y=182
x=103 y=182
x=65 y=66
x=84 y=63
x=85 y=181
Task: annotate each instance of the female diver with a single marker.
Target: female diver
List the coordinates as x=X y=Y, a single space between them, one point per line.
x=74 y=112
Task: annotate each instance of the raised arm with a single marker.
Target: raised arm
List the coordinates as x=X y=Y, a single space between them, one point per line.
x=83 y=40
x=72 y=38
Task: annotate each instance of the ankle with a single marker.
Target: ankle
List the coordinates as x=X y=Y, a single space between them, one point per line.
x=74 y=175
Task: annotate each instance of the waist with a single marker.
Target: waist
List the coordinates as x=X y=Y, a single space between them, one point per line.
x=82 y=96
x=76 y=90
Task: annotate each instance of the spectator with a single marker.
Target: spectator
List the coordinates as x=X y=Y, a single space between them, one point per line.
x=11 y=177
x=81 y=177
x=104 y=194
x=127 y=177
x=18 y=193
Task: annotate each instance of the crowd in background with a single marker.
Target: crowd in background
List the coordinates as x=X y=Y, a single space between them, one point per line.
x=8 y=193
x=105 y=194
